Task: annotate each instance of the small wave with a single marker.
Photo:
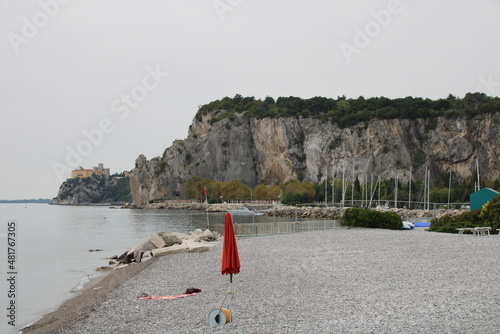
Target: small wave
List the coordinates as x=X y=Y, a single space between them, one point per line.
x=82 y=283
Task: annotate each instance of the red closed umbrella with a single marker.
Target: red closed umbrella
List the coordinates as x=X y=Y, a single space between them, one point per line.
x=230 y=265
x=230 y=257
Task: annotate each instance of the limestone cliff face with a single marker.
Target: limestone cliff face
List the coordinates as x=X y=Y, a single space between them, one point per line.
x=274 y=150
x=96 y=189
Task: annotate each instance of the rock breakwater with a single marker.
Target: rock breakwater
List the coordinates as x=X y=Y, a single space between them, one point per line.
x=313 y=212
x=335 y=213
x=164 y=243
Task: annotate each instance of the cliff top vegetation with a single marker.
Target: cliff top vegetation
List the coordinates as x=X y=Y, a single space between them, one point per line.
x=347 y=112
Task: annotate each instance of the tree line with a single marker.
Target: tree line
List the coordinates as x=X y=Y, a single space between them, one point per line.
x=347 y=111
x=294 y=192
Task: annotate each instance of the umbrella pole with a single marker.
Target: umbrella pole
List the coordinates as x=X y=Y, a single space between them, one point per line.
x=231 y=278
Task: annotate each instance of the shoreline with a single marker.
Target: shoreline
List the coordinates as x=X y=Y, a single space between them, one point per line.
x=125 y=266
x=79 y=307
x=342 y=280
x=270 y=209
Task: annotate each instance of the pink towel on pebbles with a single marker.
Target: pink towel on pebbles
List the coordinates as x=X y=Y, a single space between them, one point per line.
x=168 y=297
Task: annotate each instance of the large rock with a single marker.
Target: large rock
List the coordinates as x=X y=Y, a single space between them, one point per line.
x=181 y=236
x=163 y=243
x=207 y=235
x=198 y=247
x=157 y=241
x=141 y=249
x=175 y=249
x=169 y=239
x=125 y=258
x=197 y=232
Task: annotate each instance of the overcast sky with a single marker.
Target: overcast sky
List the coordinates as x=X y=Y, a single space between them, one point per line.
x=89 y=81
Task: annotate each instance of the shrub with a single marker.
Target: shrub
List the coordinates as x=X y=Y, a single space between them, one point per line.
x=358 y=217
x=489 y=215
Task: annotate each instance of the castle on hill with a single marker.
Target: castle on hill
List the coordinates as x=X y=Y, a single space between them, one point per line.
x=81 y=172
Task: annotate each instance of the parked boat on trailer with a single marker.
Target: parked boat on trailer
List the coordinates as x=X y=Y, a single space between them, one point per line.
x=408 y=225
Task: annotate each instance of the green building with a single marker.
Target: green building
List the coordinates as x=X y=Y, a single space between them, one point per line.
x=481 y=197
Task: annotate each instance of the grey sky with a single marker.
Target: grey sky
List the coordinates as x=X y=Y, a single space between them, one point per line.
x=67 y=67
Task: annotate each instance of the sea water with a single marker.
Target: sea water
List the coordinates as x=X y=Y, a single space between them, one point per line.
x=52 y=259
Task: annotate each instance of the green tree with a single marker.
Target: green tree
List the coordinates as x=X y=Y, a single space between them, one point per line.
x=295 y=192
x=235 y=190
x=266 y=192
x=196 y=186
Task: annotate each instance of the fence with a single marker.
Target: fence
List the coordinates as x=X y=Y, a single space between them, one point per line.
x=419 y=220
x=259 y=229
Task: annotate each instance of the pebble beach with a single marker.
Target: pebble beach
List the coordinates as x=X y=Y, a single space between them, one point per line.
x=335 y=281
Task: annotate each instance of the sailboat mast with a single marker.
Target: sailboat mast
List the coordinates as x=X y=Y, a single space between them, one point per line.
x=378 y=181
x=449 y=191
x=333 y=185
x=352 y=186
x=343 y=185
x=429 y=191
x=326 y=185
x=477 y=171
x=396 y=192
x=409 y=192
x=425 y=187
x=371 y=192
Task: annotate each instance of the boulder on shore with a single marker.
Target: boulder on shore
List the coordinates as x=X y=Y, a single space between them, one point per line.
x=164 y=243
x=141 y=249
x=208 y=235
x=169 y=239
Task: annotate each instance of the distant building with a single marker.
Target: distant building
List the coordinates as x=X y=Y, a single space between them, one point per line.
x=481 y=197
x=99 y=170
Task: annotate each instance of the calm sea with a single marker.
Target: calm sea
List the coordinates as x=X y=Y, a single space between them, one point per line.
x=52 y=258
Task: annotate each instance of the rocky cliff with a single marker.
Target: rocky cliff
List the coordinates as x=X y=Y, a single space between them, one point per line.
x=274 y=150
x=96 y=189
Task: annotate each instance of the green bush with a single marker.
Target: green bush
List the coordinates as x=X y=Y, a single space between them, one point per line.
x=358 y=217
x=489 y=215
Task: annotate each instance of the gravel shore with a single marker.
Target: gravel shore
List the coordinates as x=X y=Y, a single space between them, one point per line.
x=336 y=281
